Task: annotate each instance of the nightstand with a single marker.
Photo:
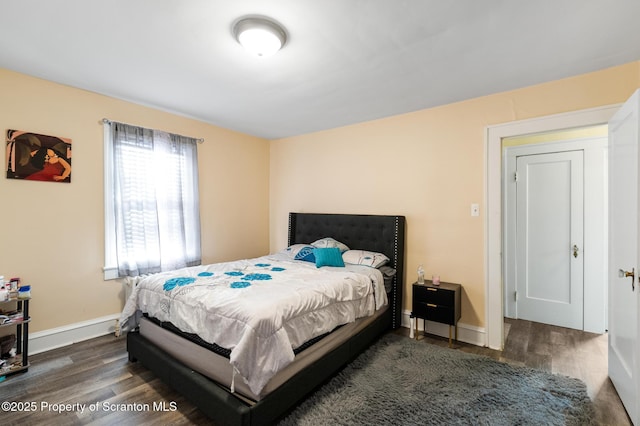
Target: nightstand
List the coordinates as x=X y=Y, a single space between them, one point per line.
x=439 y=303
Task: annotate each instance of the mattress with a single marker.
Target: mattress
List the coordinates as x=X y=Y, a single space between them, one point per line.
x=218 y=368
x=261 y=309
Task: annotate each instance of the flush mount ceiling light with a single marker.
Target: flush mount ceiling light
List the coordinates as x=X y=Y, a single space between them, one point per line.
x=260 y=36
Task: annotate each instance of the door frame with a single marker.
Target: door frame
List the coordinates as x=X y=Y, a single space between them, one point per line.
x=594 y=250
x=494 y=311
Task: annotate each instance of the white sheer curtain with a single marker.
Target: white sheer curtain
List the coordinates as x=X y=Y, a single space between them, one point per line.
x=156 y=202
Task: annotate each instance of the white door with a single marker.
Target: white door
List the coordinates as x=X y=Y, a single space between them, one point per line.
x=549 y=238
x=624 y=353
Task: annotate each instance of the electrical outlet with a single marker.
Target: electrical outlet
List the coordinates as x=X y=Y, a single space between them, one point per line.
x=475 y=209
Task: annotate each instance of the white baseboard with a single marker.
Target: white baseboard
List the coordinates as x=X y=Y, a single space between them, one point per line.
x=466 y=333
x=42 y=341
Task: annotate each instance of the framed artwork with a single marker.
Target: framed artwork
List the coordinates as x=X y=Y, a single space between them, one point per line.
x=31 y=156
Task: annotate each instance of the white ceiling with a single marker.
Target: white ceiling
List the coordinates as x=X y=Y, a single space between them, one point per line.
x=346 y=61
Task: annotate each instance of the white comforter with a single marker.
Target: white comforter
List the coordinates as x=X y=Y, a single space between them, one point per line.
x=260 y=309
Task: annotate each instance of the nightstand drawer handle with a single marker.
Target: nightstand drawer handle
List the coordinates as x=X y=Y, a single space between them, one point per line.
x=431 y=305
x=432 y=289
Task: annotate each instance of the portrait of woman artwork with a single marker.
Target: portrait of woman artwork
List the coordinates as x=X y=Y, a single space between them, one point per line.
x=31 y=156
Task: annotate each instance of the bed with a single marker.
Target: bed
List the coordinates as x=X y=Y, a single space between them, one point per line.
x=174 y=354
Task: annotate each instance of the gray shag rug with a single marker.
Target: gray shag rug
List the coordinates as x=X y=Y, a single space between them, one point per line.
x=400 y=381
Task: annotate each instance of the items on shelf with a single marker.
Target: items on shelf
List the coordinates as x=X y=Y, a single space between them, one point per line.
x=14 y=283
x=14 y=326
x=11 y=285
x=7 y=349
x=24 y=292
x=12 y=289
x=12 y=317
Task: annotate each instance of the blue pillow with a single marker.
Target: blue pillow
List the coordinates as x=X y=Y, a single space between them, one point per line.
x=330 y=256
x=306 y=254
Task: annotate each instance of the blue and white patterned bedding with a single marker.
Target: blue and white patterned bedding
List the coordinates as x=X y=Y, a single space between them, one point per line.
x=261 y=309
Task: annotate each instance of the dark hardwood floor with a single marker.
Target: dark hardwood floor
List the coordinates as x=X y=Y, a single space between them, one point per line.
x=97 y=377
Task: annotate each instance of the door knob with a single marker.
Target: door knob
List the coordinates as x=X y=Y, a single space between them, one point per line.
x=632 y=274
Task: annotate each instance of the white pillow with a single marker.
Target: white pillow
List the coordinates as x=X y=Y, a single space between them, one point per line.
x=363 y=257
x=329 y=242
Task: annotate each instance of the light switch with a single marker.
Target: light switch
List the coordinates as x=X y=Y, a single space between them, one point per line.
x=475 y=209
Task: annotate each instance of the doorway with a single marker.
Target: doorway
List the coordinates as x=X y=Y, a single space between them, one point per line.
x=555 y=228
x=494 y=273
x=494 y=188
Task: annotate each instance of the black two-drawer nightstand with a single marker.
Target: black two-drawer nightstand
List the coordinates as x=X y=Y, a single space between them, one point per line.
x=439 y=303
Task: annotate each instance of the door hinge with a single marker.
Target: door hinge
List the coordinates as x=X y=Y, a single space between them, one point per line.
x=515 y=296
x=515 y=176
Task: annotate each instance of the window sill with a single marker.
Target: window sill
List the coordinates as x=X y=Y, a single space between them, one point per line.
x=110 y=273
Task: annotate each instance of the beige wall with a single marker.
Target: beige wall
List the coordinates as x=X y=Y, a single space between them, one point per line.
x=427 y=165
x=52 y=233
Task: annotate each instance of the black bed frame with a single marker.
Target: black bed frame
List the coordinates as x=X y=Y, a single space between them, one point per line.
x=384 y=234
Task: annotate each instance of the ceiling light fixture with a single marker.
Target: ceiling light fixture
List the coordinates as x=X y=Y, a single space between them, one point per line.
x=260 y=36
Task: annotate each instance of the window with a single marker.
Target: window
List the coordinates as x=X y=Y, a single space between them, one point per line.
x=152 y=214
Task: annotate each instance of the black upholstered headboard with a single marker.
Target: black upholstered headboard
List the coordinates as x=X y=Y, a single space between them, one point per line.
x=383 y=234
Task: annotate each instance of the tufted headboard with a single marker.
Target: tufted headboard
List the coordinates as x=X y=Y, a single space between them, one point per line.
x=383 y=234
